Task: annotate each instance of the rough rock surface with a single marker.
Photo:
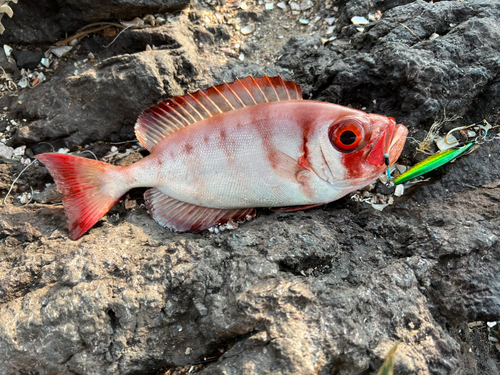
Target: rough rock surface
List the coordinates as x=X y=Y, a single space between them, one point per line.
x=328 y=290
x=73 y=109
x=396 y=67
x=47 y=21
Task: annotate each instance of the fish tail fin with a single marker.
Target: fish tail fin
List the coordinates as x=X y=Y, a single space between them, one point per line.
x=89 y=188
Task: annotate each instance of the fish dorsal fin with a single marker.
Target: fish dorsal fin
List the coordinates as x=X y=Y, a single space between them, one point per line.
x=185 y=217
x=165 y=118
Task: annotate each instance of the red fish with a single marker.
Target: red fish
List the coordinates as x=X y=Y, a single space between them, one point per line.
x=218 y=154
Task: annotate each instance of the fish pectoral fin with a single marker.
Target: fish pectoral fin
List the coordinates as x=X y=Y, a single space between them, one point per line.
x=180 y=216
x=288 y=168
x=295 y=208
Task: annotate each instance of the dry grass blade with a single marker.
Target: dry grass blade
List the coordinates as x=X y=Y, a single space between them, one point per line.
x=388 y=365
x=425 y=146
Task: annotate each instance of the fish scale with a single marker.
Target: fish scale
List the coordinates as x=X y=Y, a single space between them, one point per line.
x=219 y=153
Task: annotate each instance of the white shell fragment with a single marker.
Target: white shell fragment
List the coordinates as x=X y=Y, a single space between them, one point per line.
x=23 y=82
x=19 y=151
x=330 y=20
x=443 y=145
x=357 y=20
x=303 y=21
x=248 y=29
x=433 y=36
x=6 y=152
x=379 y=206
x=281 y=5
x=491 y=324
x=307 y=4
x=401 y=168
x=8 y=50
x=400 y=189
x=45 y=62
x=383 y=179
x=61 y=51
x=269 y=6
x=294 y=5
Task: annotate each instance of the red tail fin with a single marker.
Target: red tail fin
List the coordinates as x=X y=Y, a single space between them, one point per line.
x=85 y=197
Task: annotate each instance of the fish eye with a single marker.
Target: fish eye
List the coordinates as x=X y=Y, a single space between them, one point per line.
x=347 y=135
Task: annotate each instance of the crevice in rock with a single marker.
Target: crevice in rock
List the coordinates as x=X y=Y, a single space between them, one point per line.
x=113 y=320
x=313 y=265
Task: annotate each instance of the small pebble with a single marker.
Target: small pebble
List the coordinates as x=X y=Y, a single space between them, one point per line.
x=45 y=62
x=399 y=190
x=357 y=20
x=433 y=36
x=61 y=51
x=8 y=50
x=248 y=29
x=282 y=5
x=6 y=152
x=330 y=20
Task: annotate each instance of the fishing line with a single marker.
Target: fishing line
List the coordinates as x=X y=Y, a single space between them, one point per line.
x=17 y=178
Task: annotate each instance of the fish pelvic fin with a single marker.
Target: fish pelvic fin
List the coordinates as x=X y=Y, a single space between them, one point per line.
x=88 y=189
x=171 y=115
x=180 y=216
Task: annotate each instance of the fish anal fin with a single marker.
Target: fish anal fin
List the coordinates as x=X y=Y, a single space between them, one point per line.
x=185 y=217
x=295 y=208
x=171 y=115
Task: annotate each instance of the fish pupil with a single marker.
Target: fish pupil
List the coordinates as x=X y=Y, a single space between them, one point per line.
x=348 y=138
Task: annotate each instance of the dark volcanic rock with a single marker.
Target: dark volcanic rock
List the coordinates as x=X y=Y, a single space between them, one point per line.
x=102 y=102
x=328 y=290
x=48 y=21
x=397 y=69
x=27 y=59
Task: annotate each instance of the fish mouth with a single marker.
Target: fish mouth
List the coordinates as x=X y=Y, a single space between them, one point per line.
x=398 y=141
x=389 y=144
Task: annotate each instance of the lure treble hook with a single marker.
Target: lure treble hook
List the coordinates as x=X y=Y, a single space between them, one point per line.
x=483 y=130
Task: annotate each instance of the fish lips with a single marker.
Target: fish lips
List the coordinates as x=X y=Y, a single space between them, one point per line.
x=398 y=142
x=391 y=142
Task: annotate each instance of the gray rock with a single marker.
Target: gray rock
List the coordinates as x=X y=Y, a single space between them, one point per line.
x=27 y=59
x=395 y=69
x=112 y=93
x=49 y=21
x=328 y=290
x=9 y=67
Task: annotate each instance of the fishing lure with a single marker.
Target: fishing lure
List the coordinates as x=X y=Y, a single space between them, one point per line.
x=431 y=163
x=441 y=158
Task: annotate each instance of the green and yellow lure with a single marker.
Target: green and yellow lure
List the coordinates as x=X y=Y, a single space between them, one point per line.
x=431 y=163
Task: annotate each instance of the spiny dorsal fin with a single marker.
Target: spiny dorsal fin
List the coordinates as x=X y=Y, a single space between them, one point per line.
x=173 y=114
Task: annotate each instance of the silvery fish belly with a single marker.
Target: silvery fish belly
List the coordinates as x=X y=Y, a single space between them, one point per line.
x=218 y=154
